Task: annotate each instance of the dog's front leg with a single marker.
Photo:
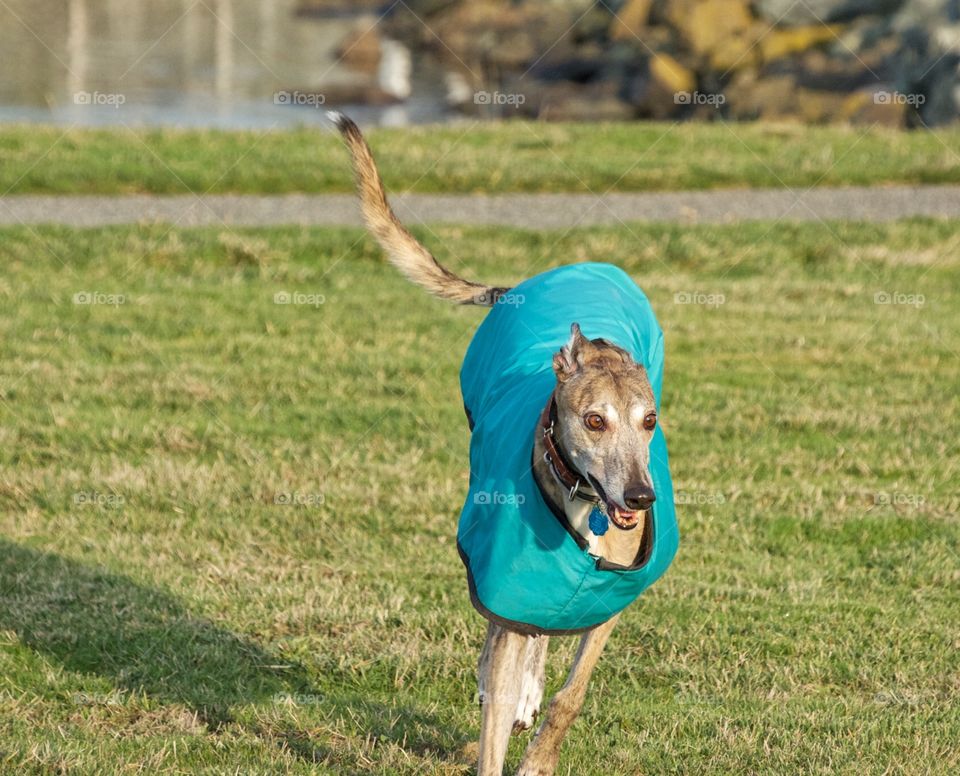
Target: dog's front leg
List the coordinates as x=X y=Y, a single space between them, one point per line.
x=543 y=752
x=500 y=676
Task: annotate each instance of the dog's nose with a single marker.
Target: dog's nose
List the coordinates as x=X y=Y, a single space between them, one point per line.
x=639 y=497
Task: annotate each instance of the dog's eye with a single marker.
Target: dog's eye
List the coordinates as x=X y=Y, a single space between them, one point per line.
x=594 y=422
x=650 y=421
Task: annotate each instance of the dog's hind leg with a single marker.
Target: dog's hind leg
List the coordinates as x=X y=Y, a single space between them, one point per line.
x=531 y=682
x=543 y=752
x=500 y=666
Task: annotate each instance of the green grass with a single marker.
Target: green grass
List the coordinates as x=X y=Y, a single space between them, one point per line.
x=159 y=612
x=514 y=156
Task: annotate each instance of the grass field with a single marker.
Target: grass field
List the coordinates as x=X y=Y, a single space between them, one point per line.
x=475 y=157
x=228 y=521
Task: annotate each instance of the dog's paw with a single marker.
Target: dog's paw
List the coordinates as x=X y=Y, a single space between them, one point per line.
x=531 y=685
x=527 y=712
x=528 y=709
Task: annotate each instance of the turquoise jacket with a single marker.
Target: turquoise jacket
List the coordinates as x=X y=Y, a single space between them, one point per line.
x=526 y=568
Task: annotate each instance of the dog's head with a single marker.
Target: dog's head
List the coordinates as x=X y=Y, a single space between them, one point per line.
x=606 y=416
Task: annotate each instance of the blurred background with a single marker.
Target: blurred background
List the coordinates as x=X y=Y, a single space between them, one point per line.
x=261 y=63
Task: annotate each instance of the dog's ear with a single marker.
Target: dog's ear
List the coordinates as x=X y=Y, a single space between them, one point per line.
x=604 y=347
x=569 y=358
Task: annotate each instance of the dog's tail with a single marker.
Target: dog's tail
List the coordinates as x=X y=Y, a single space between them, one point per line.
x=403 y=249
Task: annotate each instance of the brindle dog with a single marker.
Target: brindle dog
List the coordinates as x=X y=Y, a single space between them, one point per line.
x=599 y=388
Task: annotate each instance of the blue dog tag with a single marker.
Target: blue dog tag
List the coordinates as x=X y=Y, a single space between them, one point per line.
x=599 y=523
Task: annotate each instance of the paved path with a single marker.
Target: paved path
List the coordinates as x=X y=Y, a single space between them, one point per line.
x=527 y=210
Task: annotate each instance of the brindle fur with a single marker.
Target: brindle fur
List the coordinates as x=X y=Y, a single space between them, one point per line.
x=592 y=376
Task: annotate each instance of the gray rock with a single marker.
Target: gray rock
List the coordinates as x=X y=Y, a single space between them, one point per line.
x=925 y=13
x=928 y=77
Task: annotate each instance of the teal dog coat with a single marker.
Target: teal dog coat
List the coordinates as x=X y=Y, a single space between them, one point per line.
x=526 y=567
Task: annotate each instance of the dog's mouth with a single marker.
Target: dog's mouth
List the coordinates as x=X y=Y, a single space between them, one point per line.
x=622 y=518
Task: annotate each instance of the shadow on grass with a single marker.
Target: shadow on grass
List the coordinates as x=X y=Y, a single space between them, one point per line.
x=142 y=639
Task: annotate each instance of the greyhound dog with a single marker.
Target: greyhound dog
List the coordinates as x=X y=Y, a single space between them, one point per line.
x=565 y=444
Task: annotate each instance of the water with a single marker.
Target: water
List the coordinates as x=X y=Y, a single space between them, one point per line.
x=201 y=63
